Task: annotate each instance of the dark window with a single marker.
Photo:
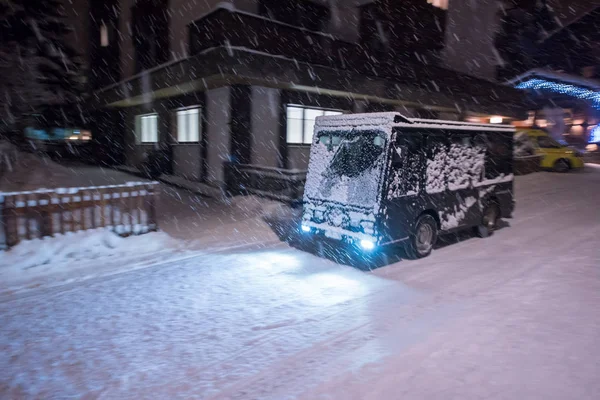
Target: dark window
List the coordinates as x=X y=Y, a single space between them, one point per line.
x=150 y=25
x=104 y=46
x=304 y=14
x=437 y=162
x=546 y=142
x=465 y=161
x=407 y=165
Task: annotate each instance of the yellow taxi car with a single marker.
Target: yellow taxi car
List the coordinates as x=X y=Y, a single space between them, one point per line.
x=555 y=156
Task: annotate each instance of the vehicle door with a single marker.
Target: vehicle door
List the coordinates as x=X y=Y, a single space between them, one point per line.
x=465 y=162
x=550 y=149
x=405 y=182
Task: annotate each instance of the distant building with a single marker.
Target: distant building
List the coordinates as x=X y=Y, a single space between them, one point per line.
x=210 y=82
x=565 y=83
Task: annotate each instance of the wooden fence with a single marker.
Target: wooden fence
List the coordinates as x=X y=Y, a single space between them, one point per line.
x=127 y=209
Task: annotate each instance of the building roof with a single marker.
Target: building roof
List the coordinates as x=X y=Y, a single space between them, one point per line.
x=556 y=77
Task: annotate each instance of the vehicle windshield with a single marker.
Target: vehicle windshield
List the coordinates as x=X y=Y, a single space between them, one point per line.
x=346 y=167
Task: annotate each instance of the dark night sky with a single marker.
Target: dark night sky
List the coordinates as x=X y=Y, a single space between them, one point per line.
x=567 y=10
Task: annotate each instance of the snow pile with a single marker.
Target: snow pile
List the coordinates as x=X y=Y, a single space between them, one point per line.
x=383 y=120
x=31 y=171
x=90 y=245
x=79 y=256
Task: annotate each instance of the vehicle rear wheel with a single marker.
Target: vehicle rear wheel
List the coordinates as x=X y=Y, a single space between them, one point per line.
x=489 y=222
x=422 y=241
x=561 y=165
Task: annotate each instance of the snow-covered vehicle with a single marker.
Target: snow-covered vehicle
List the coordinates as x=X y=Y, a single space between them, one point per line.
x=379 y=179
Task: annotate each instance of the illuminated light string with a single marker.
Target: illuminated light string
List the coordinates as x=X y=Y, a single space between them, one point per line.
x=563 y=88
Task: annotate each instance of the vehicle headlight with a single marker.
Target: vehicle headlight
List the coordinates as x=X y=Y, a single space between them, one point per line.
x=367 y=244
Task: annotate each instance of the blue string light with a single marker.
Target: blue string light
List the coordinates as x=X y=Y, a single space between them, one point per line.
x=563 y=88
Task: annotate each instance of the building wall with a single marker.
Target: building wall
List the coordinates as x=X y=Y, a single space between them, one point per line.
x=470 y=31
x=344 y=22
x=217 y=132
x=265 y=126
x=298 y=156
x=187 y=161
x=185 y=11
x=127 y=53
x=76 y=17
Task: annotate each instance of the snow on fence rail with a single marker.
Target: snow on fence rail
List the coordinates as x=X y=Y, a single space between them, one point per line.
x=127 y=209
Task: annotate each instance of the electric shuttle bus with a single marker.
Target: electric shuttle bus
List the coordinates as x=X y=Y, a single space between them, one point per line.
x=381 y=178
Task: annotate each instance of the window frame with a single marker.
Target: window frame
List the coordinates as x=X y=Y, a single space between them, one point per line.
x=176 y=136
x=303 y=120
x=139 y=130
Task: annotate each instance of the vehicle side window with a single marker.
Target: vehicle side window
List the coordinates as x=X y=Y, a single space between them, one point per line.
x=465 y=161
x=547 y=143
x=437 y=158
x=407 y=165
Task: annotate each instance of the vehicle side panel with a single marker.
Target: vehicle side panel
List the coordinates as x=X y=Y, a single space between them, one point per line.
x=457 y=174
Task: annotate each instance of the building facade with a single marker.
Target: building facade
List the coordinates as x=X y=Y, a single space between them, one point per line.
x=564 y=86
x=210 y=83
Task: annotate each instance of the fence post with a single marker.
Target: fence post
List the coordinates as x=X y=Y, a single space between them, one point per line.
x=2 y=224
x=10 y=221
x=152 y=194
x=75 y=208
x=45 y=205
x=139 y=206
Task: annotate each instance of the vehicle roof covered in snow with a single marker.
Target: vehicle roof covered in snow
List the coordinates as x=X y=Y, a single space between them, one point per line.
x=392 y=119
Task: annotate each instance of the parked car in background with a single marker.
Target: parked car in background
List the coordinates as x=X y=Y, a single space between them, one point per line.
x=555 y=156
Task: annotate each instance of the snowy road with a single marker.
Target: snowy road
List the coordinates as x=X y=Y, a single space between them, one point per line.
x=515 y=316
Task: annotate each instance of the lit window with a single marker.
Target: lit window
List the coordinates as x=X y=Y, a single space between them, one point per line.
x=443 y=4
x=188 y=125
x=103 y=36
x=301 y=123
x=146 y=128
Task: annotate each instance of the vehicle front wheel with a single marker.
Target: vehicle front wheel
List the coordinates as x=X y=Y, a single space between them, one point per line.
x=562 y=165
x=422 y=241
x=489 y=222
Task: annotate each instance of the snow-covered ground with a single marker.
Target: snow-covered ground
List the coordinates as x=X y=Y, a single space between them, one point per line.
x=73 y=257
x=514 y=316
x=199 y=225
